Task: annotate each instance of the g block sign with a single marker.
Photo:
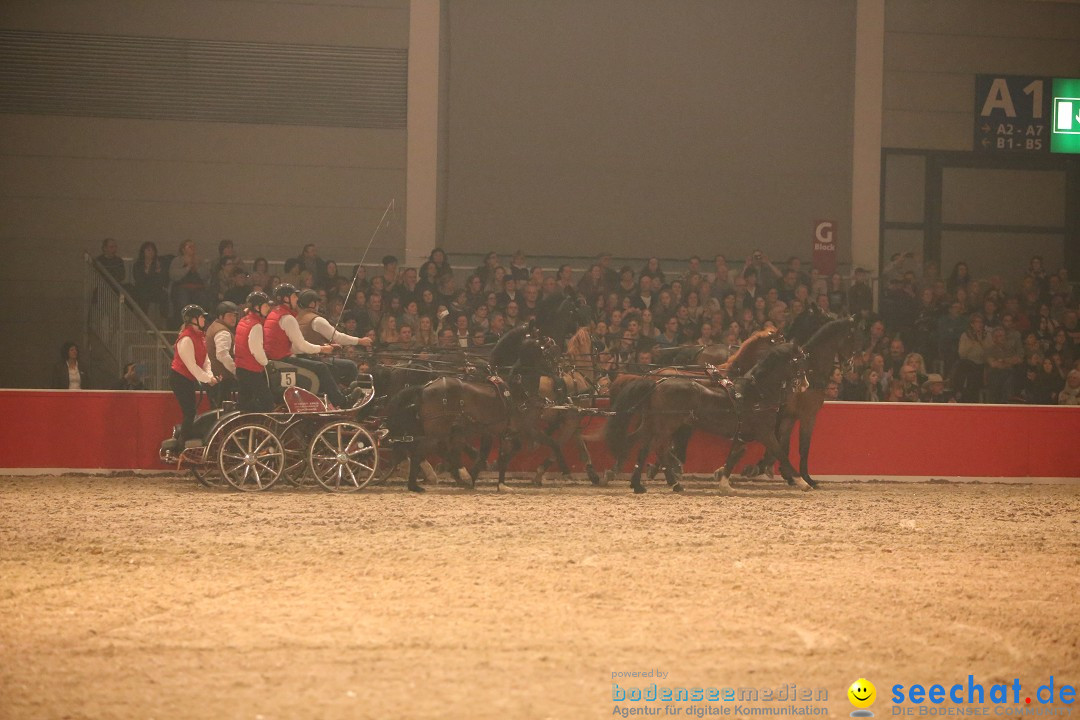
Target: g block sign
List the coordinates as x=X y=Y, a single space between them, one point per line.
x=825 y=246
x=1012 y=114
x=1065 y=128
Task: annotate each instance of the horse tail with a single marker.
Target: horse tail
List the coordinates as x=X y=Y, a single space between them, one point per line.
x=625 y=407
x=403 y=412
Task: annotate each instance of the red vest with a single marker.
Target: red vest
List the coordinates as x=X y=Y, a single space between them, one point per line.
x=198 y=339
x=276 y=343
x=241 y=352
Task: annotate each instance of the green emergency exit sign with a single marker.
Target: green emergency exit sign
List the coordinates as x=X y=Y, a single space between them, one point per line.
x=1065 y=124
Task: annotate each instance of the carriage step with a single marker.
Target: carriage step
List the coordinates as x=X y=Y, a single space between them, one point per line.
x=193 y=444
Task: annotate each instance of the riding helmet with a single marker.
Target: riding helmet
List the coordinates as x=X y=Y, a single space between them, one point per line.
x=256 y=300
x=283 y=292
x=191 y=312
x=308 y=298
x=226 y=307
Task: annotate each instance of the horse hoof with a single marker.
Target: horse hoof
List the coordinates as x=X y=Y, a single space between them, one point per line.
x=677 y=487
x=639 y=489
x=538 y=481
x=801 y=484
x=811 y=482
x=413 y=487
x=502 y=487
x=750 y=471
x=609 y=476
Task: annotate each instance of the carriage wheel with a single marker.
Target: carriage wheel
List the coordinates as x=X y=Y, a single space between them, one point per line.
x=343 y=457
x=295 y=443
x=251 y=458
x=209 y=476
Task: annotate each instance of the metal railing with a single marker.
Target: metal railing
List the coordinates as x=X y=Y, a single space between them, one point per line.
x=118 y=331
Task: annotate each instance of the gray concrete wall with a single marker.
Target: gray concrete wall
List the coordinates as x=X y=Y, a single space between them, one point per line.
x=68 y=182
x=643 y=128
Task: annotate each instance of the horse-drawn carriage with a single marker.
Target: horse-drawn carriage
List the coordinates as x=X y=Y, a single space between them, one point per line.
x=304 y=440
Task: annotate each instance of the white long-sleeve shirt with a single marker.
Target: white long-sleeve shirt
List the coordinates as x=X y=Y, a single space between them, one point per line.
x=186 y=349
x=223 y=351
x=300 y=346
x=255 y=345
x=322 y=326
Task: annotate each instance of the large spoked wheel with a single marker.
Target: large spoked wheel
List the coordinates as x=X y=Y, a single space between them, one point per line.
x=210 y=476
x=294 y=440
x=343 y=457
x=251 y=458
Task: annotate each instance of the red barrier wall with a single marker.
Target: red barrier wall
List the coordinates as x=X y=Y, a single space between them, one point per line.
x=122 y=430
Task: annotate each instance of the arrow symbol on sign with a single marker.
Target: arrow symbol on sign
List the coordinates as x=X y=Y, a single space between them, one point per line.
x=985 y=143
x=1078 y=117
x=985 y=128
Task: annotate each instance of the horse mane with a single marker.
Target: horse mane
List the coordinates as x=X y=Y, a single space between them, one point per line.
x=749 y=348
x=818 y=355
x=508 y=349
x=809 y=322
x=778 y=355
x=829 y=332
x=581 y=343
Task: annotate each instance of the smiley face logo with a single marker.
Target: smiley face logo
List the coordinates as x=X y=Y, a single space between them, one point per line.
x=862 y=694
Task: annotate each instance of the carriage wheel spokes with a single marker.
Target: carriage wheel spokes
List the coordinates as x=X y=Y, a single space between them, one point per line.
x=259 y=462
x=343 y=457
x=295 y=443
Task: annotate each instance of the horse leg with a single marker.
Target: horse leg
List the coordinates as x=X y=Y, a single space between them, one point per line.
x=772 y=445
x=504 y=455
x=594 y=477
x=481 y=460
x=429 y=472
x=723 y=475
x=670 y=475
x=806 y=431
x=635 y=477
x=415 y=457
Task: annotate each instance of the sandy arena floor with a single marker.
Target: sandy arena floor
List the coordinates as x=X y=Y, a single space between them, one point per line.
x=154 y=598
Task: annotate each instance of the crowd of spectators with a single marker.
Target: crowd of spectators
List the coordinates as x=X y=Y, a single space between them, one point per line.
x=933 y=338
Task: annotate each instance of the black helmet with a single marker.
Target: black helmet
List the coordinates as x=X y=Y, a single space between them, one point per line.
x=226 y=307
x=191 y=312
x=308 y=298
x=256 y=300
x=283 y=292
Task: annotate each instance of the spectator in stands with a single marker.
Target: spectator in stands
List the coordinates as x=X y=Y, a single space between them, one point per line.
x=67 y=374
x=309 y=260
x=870 y=390
x=151 y=280
x=425 y=333
x=721 y=276
x=837 y=293
x=766 y=274
x=958 y=279
x=910 y=383
x=260 y=275
x=110 y=261
x=670 y=335
x=442 y=262
x=1070 y=395
x=968 y=374
x=950 y=328
x=860 y=298
x=190 y=275
x=130 y=379
x=1063 y=345
x=1001 y=364
x=934 y=390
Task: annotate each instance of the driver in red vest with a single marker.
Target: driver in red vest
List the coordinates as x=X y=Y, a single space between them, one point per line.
x=190 y=365
x=281 y=334
x=251 y=360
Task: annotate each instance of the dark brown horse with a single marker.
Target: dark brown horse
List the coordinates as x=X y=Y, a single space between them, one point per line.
x=833 y=344
x=744 y=410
